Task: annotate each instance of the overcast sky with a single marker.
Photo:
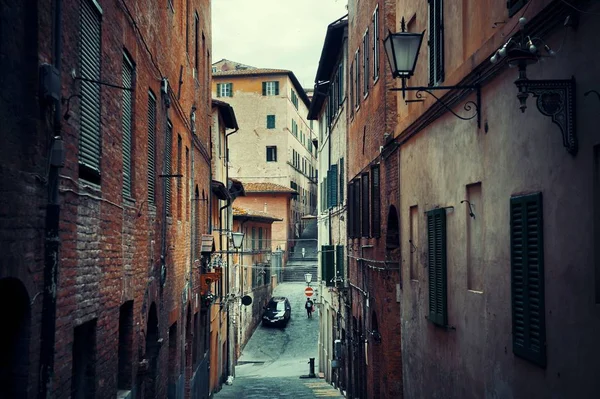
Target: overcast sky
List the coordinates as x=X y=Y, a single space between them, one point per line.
x=283 y=34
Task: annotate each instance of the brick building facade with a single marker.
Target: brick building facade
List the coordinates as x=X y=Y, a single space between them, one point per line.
x=373 y=350
x=102 y=242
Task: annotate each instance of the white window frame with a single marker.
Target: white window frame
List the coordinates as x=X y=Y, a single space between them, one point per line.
x=365 y=66
x=270 y=88
x=225 y=90
x=376 y=44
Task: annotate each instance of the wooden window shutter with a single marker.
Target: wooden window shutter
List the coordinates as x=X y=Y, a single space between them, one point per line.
x=327 y=264
x=527 y=278
x=365 y=210
x=339 y=255
x=151 y=148
x=436 y=239
x=514 y=6
x=333 y=182
x=376 y=202
x=168 y=163
x=350 y=211
x=90 y=144
x=219 y=89
x=436 y=42
x=127 y=126
x=276 y=88
x=342 y=182
x=264 y=88
x=357 y=208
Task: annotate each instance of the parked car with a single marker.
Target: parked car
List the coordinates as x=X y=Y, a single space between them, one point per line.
x=277 y=312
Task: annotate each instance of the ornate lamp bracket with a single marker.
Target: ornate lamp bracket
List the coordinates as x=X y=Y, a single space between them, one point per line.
x=556 y=99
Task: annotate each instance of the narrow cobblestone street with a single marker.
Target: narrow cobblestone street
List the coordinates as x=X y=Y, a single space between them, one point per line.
x=275 y=358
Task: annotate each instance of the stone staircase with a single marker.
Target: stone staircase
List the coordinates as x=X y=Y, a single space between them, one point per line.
x=297 y=265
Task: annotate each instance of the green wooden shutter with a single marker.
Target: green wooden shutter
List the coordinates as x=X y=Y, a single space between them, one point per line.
x=340 y=258
x=264 y=88
x=168 y=162
x=375 y=202
x=527 y=278
x=327 y=264
x=90 y=144
x=365 y=210
x=127 y=126
x=342 y=182
x=333 y=189
x=436 y=237
x=219 y=89
x=276 y=88
x=350 y=210
x=151 y=148
x=260 y=234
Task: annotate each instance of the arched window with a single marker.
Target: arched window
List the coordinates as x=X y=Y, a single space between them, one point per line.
x=393 y=229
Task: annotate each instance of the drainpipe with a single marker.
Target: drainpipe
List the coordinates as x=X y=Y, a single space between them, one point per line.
x=163 y=239
x=230 y=367
x=52 y=242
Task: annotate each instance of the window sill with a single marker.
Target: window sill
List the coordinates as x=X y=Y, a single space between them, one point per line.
x=375 y=80
x=446 y=327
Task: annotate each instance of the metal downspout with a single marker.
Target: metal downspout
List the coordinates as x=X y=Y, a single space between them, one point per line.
x=52 y=242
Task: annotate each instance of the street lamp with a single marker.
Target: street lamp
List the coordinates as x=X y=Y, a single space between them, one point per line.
x=402 y=49
x=308 y=278
x=237 y=238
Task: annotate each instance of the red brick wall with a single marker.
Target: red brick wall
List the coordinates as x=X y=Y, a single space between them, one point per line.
x=110 y=247
x=375 y=117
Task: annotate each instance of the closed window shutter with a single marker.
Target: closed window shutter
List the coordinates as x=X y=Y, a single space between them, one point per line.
x=376 y=202
x=436 y=238
x=327 y=264
x=334 y=185
x=219 y=89
x=264 y=88
x=357 y=208
x=127 y=126
x=365 y=232
x=351 y=209
x=527 y=275
x=276 y=88
x=342 y=182
x=339 y=251
x=151 y=148
x=168 y=163
x=89 y=57
x=436 y=42
x=260 y=232
x=514 y=6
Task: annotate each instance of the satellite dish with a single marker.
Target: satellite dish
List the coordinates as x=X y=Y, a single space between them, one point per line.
x=246 y=300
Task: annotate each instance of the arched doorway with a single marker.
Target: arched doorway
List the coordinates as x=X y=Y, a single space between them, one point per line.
x=152 y=351
x=392 y=240
x=15 y=314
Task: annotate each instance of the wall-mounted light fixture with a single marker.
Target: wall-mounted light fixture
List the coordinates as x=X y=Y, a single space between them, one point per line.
x=555 y=98
x=402 y=49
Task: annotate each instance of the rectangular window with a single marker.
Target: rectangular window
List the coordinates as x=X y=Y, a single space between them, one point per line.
x=365 y=210
x=527 y=278
x=272 y=154
x=514 y=6
x=340 y=258
x=188 y=189
x=196 y=42
x=436 y=42
x=342 y=182
x=357 y=80
x=327 y=265
x=253 y=238
x=270 y=121
x=260 y=238
x=341 y=83
x=366 y=76
x=179 y=179
x=83 y=378
x=151 y=148
x=357 y=208
x=168 y=163
x=128 y=72
x=376 y=202
x=376 y=44
x=90 y=143
x=436 y=247
x=351 y=210
x=224 y=89
x=351 y=82
x=270 y=88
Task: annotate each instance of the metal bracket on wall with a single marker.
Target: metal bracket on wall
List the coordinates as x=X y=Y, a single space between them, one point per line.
x=555 y=98
x=592 y=91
